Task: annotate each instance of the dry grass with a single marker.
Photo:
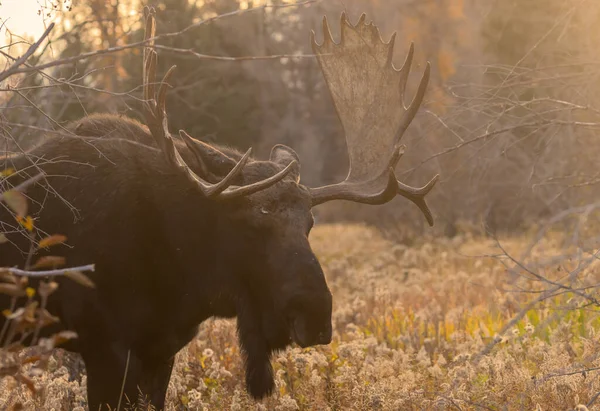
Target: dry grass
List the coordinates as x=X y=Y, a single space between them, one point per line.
x=409 y=325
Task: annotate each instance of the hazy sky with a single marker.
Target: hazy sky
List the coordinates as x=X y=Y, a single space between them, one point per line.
x=21 y=17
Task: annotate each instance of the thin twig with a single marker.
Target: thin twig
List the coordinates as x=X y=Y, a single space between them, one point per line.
x=566 y=374
x=25 y=184
x=124 y=379
x=143 y=43
x=593 y=399
x=26 y=273
x=227 y=58
x=14 y=69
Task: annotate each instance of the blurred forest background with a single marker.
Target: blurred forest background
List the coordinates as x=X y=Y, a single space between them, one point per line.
x=509 y=119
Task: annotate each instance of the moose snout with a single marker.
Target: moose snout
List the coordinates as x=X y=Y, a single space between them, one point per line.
x=323 y=333
x=307 y=332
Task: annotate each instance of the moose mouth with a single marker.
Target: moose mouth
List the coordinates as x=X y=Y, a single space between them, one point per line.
x=298 y=334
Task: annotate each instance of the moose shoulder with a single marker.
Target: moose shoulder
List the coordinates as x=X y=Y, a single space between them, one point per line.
x=180 y=230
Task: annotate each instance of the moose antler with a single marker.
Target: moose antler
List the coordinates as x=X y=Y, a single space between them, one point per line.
x=156 y=119
x=368 y=94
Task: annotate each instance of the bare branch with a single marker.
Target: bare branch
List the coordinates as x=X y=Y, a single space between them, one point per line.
x=27 y=273
x=26 y=184
x=14 y=69
x=144 y=43
x=227 y=58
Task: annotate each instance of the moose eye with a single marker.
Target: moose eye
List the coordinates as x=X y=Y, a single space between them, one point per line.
x=268 y=208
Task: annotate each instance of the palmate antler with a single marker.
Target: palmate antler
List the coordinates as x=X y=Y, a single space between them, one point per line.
x=368 y=94
x=156 y=120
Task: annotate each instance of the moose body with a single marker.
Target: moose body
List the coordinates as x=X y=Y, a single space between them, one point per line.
x=180 y=231
x=166 y=259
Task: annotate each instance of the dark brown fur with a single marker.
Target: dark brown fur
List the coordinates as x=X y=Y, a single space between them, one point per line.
x=167 y=258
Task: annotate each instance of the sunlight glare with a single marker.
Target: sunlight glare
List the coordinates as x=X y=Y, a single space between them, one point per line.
x=22 y=18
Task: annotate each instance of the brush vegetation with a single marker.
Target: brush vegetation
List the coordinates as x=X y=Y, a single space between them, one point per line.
x=415 y=327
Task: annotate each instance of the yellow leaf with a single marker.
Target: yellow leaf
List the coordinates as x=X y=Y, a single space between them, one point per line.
x=6 y=312
x=52 y=240
x=26 y=222
x=49 y=261
x=80 y=278
x=185 y=400
x=30 y=292
x=16 y=201
x=8 y=172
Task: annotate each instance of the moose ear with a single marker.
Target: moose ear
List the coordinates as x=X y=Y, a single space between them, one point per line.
x=283 y=156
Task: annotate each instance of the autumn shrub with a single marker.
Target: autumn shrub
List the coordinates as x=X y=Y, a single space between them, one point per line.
x=23 y=354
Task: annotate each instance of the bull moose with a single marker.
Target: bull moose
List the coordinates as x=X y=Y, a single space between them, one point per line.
x=180 y=230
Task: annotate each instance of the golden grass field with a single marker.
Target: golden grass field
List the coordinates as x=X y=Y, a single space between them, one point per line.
x=409 y=325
